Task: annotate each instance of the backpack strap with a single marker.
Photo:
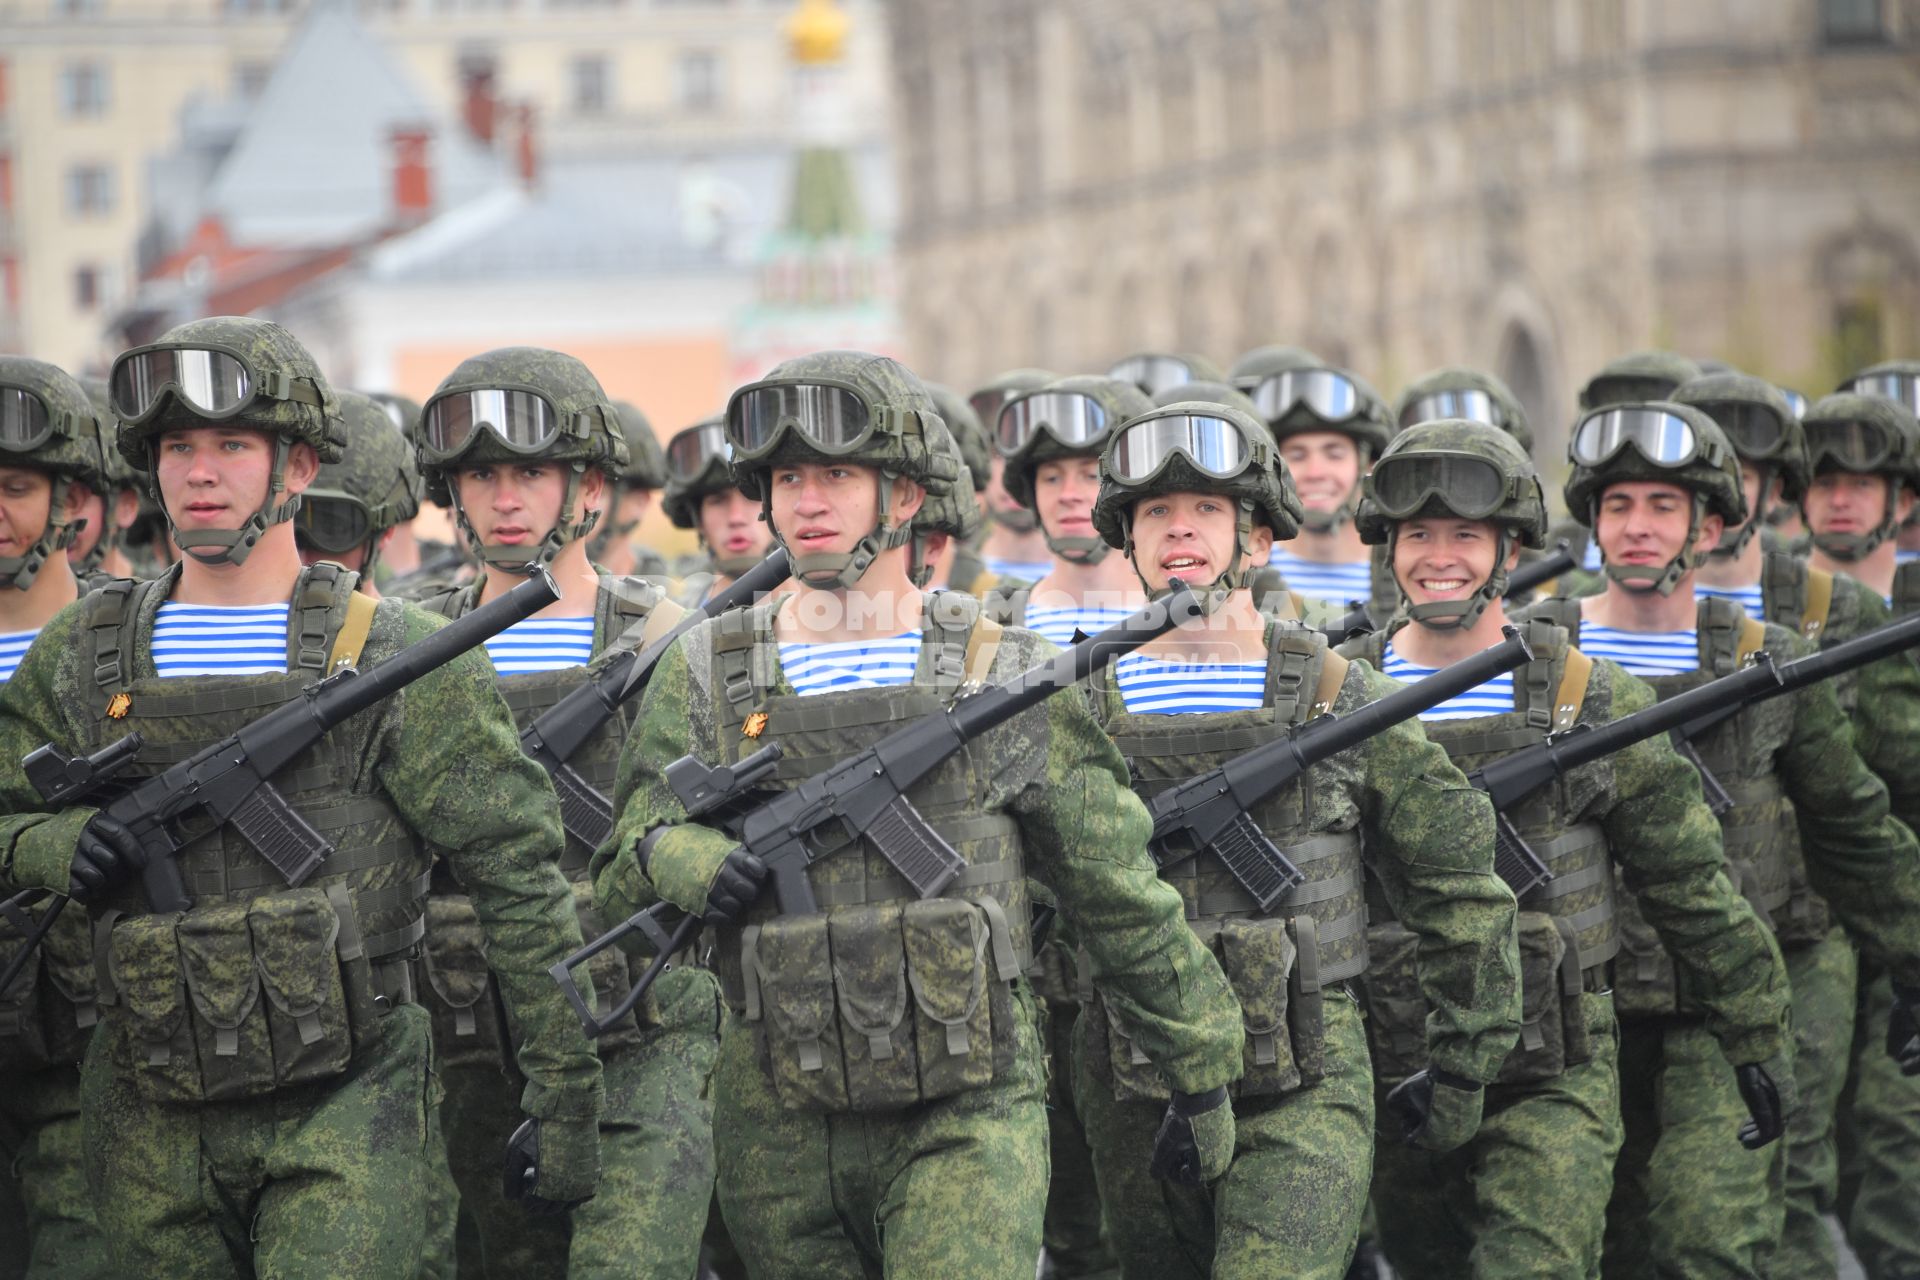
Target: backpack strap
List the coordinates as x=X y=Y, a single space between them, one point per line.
x=1333 y=674
x=1300 y=672
x=983 y=643
x=319 y=610
x=1813 y=619
x=1572 y=694
x=449 y=603
x=109 y=614
x=352 y=638
x=1753 y=638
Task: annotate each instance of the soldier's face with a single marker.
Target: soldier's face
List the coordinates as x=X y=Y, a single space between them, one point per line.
x=1644 y=522
x=517 y=504
x=1851 y=502
x=997 y=497
x=631 y=507
x=730 y=525
x=1190 y=536
x=217 y=477
x=1063 y=494
x=1445 y=558
x=26 y=503
x=825 y=508
x=1325 y=466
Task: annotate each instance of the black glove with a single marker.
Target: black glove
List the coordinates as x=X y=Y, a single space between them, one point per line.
x=1195 y=1142
x=1762 y=1096
x=105 y=856
x=569 y=1174
x=1436 y=1109
x=734 y=887
x=1903 y=1030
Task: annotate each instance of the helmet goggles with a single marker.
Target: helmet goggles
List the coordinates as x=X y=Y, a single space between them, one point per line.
x=1904 y=387
x=1469 y=403
x=1153 y=373
x=26 y=423
x=1075 y=420
x=1662 y=438
x=1627 y=388
x=1330 y=396
x=689 y=452
x=521 y=418
x=1471 y=487
x=1212 y=446
x=1755 y=431
x=1850 y=446
x=833 y=418
x=334 y=524
x=214 y=382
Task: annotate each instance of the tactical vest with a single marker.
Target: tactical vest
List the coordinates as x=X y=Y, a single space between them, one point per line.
x=1761 y=837
x=1906 y=589
x=258 y=986
x=1569 y=927
x=469 y=1018
x=1316 y=936
x=47 y=1015
x=880 y=999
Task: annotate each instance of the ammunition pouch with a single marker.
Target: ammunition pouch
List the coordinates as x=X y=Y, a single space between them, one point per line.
x=47 y=1015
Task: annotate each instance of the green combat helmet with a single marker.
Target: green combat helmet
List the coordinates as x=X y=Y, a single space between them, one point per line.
x=986 y=404
x=47 y=423
x=646 y=471
x=1067 y=418
x=839 y=406
x=1763 y=430
x=1293 y=399
x=969 y=434
x=1869 y=435
x=1466 y=469
x=1197 y=447
x=1459 y=392
x=1890 y=380
x=521 y=404
x=114 y=476
x=405 y=415
x=1264 y=362
x=1637 y=377
x=1664 y=442
x=1156 y=372
x=227 y=369
x=1206 y=391
x=371 y=488
x=696 y=465
x=955 y=513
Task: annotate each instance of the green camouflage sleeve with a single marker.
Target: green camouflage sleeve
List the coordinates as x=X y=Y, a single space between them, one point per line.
x=1859 y=857
x=36 y=848
x=1668 y=845
x=454 y=768
x=1086 y=834
x=1429 y=838
x=1886 y=709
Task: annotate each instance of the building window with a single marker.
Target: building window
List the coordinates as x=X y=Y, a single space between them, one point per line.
x=591 y=77
x=699 y=80
x=89 y=190
x=83 y=90
x=86 y=287
x=1852 y=22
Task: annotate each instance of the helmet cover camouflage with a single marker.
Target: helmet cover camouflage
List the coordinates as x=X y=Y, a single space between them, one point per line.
x=1902 y=465
x=70 y=452
x=682 y=498
x=1460 y=378
x=968 y=433
x=1636 y=377
x=955 y=513
x=1207 y=391
x=375 y=473
x=1120 y=400
x=1721 y=396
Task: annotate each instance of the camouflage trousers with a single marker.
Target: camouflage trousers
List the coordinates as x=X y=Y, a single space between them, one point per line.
x=1879 y=1138
x=53 y=1231
x=1824 y=978
x=1688 y=1199
x=317 y=1180
x=1291 y=1202
x=954 y=1188
x=656 y=1156
x=1528 y=1196
x=1075 y=1237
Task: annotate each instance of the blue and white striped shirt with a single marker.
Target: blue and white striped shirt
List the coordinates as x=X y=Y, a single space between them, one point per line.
x=13 y=647
x=850 y=664
x=1752 y=599
x=220 y=640
x=1027 y=570
x=1493 y=698
x=1340 y=583
x=541 y=644
x=1903 y=556
x=1152 y=687
x=1644 y=653
x=1058 y=625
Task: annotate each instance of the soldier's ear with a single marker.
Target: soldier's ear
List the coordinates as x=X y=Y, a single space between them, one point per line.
x=908 y=498
x=303 y=464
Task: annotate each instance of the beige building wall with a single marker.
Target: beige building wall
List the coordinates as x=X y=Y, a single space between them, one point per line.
x=672 y=72
x=1534 y=186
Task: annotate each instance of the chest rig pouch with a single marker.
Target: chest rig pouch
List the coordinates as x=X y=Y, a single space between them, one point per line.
x=47 y=1015
x=881 y=999
x=1568 y=927
x=258 y=986
x=470 y=1025
x=1906 y=591
x=1277 y=963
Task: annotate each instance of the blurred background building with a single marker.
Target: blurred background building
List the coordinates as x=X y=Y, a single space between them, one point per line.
x=1534 y=186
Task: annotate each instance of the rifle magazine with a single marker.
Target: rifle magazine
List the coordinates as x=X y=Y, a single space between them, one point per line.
x=914 y=849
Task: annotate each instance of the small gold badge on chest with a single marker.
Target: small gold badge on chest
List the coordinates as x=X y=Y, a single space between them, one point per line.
x=756 y=724
x=118 y=705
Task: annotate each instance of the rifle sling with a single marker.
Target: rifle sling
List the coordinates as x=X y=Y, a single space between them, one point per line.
x=352 y=637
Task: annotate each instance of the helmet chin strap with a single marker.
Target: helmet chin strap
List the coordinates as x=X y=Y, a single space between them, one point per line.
x=233 y=546
x=1019 y=520
x=517 y=559
x=1858 y=546
x=731 y=566
x=1734 y=541
x=1459 y=615
x=839 y=570
x=1078 y=550
x=1208 y=599
x=19 y=572
x=1665 y=579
